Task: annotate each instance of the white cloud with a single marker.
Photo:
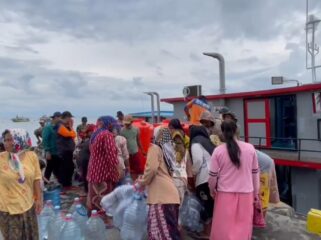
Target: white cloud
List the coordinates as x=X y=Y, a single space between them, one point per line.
x=101 y=56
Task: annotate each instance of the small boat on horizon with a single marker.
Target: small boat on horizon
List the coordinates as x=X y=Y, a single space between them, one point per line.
x=20 y=119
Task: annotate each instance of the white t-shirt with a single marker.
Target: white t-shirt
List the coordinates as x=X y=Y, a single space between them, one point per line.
x=201 y=159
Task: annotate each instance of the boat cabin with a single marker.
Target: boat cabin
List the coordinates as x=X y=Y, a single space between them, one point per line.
x=148 y=116
x=286 y=124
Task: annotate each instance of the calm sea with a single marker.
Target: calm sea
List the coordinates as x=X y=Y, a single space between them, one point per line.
x=30 y=126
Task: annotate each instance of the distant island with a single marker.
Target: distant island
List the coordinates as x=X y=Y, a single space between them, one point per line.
x=20 y=119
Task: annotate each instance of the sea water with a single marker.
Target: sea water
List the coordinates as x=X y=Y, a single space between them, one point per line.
x=32 y=125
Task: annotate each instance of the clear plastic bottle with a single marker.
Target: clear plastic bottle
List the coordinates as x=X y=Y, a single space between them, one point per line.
x=70 y=230
x=123 y=192
x=95 y=229
x=135 y=220
x=55 y=224
x=127 y=180
x=74 y=205
x=119 y=212
x=111 y=201
x=190 y=213
x=80 y=217
x=43 y=219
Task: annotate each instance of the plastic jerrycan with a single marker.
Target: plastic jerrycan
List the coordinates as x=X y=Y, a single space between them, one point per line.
x=146 y=134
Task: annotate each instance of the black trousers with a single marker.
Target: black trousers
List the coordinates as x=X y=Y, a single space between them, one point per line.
x=66 y=169
x=52 y=167
x=203 y=193
x=84 y=166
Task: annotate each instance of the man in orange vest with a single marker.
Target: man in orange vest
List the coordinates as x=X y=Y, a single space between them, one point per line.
x=195 y=108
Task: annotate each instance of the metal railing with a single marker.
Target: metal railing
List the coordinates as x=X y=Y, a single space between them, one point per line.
x=295 y=144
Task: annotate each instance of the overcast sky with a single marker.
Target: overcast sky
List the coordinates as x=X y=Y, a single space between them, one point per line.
x=95 y=57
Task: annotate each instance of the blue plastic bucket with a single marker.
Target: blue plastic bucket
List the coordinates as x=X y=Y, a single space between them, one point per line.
x=53 y=195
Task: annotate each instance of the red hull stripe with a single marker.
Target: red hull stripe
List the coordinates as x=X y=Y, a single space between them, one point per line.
x=255 y=94
x=291 y=163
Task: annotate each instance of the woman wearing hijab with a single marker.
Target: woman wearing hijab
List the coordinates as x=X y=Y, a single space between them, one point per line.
x=21 y=197
x=201 y=150
x=163 y=197
x=102 y=173
x=181 y=142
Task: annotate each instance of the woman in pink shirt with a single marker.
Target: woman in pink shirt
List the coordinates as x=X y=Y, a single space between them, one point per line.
x=233 y=182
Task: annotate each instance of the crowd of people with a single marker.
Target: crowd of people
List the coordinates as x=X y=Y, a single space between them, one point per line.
x=208 y=160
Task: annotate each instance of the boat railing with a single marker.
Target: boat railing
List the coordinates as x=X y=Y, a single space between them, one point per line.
x=294 y=145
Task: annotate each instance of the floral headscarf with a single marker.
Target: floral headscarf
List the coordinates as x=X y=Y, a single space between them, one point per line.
x=164 y=141
x=21 y=137
x=22 y=142
x=179 y=144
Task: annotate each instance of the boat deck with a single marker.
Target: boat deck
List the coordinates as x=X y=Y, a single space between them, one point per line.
x=293 y=156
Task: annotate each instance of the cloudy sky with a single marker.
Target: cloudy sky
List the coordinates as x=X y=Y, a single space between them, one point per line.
x=95 y=57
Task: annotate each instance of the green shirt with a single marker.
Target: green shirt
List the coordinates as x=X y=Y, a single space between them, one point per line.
x=131 y=137
x=49 y=139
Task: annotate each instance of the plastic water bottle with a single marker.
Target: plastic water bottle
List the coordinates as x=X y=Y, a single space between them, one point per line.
x=111 y=201
x=135 y=220
x=95 y=227
x=70 y=230
x=125 y=191
x=194 y=219
x=80 y=217
x=190 y=213
x=127 y=180
x=119 y=212
x=55 y=224
x=43 y=219
x=74 y=205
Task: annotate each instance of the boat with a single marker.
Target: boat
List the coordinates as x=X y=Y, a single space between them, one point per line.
x=20 y=119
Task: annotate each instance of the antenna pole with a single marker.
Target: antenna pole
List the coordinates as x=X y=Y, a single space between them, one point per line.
x=306 y=34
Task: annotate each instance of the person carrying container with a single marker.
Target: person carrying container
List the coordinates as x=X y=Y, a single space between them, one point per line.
x=195 y=108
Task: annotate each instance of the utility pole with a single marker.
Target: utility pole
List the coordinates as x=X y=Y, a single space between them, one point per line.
x=312 y=48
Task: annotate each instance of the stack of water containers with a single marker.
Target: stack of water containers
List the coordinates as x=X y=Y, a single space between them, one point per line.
x=75 y=225
x=43 y=219
x=129 y=210
x=135 y=219
x=95 y=227
x=190 y=213
x=117 y=201
x=70 y=229
x=55 y=224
